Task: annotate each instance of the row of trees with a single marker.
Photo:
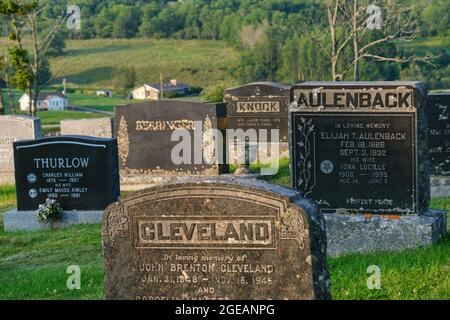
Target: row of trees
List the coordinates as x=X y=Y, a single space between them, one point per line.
x=31 y=37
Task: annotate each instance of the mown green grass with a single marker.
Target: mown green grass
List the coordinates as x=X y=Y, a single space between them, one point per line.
x=33 y=264
x=93 y=102
x=54 y=117
x=95 y=63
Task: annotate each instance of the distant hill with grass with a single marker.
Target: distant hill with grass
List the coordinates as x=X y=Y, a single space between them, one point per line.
x=96 y=63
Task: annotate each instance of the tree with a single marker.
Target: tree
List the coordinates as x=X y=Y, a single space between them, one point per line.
x=367 y=29
x=125 y=78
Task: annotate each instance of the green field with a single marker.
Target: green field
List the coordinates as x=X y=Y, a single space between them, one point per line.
x=94 y=63
x=33 y=264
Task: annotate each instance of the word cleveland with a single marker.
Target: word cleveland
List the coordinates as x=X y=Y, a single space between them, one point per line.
x=194 y=231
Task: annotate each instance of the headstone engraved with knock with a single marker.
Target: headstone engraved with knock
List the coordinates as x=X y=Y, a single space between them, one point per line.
x=215 y=238
x=79 y=172
x=439 y=142
x=360 y=149
x=261 y=106
x=13 y=128
x=144 y=132
x=365 y=140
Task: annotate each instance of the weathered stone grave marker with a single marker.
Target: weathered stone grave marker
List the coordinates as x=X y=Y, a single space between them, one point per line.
x=362 y=148
x=13 y=128
x=80 y=172
x=99 y=127
x=259 y=106
x=439 y=142
x=144 y=132
x=215 y=238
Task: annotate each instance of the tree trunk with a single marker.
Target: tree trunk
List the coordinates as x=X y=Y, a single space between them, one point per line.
x=355 y=42
x=36 y=64
x=2 y=103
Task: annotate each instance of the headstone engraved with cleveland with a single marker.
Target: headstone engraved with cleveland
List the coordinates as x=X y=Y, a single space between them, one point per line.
x=215 y=238
x=361 y=146
x=81 y=173
x=13 y=128
x=144 y=133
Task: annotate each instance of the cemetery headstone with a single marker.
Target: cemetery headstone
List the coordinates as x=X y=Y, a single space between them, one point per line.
x=261 y=106
x=439 y=142
x=13 y=128
x=99 y=127
x=79 y=172
x=360 y=149
x=215 y=238
x=146 y=147
x=367 y=139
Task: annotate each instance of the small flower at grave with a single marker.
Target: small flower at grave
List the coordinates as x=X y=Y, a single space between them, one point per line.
x=49 y=212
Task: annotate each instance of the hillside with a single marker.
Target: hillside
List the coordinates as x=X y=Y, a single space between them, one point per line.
x=94 y=63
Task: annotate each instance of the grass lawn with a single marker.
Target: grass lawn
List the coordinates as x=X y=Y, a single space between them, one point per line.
x=93 y=102
x=95 y=63
x=33 y=264
x=54 y=117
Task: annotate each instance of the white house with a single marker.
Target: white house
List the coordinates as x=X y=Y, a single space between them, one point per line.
x=153 y=91
x=104 y=93
x=46 y=101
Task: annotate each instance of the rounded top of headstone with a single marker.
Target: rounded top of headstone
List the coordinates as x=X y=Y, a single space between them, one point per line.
x=228 y=180
x=74 y=138
x=358 y=84
x=257 y=88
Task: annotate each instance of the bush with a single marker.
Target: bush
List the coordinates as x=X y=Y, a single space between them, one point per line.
x=214 y=95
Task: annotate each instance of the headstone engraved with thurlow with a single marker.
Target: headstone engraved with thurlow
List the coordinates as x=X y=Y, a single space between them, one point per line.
x=144 y=132
x=439 y=142
x=80 y=173
x=99 y=127
x=365 y=140
x=261 y=106
x=13 y=128
x=215 y=238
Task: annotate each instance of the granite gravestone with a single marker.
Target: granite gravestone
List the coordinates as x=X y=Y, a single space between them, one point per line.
x=367 y=140
x=99 y=127
x=360 y=149
x=261 y=106
x=81 y=173
x=439 y=143
x=439 y=139
x=144 y=132
x=13 y=128
x=215 y=238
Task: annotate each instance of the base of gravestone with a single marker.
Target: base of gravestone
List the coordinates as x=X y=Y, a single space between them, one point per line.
x=440 y=186
x=347 y=233
x=15 y=220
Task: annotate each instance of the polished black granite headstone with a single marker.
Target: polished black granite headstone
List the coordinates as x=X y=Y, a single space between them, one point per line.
x=80 y=172
x=439 y=139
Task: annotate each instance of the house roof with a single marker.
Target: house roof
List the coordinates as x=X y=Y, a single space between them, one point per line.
x=46 y=95
x=169 y=86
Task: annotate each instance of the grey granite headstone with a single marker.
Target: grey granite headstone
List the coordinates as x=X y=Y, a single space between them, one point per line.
x=99 y=127
x=14 y=128
x=215 y=238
